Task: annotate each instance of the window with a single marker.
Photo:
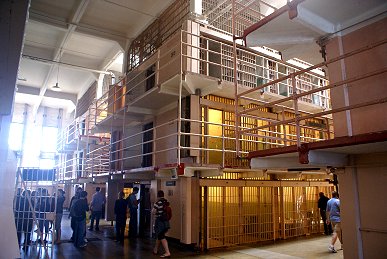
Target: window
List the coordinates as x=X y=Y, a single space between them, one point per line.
x=50 y=138
x=33 y=141
x=40 y=147
x=47 y=164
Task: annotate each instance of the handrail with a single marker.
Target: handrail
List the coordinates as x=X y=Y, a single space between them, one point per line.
x=115 y=102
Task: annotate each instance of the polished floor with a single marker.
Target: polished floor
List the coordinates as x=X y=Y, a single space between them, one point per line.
x=102 y=245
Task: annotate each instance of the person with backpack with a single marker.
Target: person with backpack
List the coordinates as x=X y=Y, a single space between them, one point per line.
x=163 y=214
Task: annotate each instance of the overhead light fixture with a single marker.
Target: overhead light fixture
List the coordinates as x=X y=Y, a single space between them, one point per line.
x=56 y=87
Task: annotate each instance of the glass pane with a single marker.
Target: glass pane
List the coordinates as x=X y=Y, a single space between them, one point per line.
x=33 y=139
x=49 y=140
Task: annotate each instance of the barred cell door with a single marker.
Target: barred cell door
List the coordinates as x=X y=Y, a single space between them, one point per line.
x=235 y=211
x=34 y=210
x=233 y=215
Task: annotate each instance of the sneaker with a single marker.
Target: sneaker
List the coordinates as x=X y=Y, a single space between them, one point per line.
x=86 y=240
x=84 y=245
x=91 y=229
x=332 y=249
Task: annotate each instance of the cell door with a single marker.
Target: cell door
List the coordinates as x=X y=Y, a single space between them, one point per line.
x=145 y=208
x=214 y=139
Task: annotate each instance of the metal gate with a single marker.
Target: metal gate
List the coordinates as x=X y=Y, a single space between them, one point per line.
x=34 y=210
x=235 y=213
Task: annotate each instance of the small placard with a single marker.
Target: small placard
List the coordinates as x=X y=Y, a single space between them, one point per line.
x=170 y=183
x=170 y=192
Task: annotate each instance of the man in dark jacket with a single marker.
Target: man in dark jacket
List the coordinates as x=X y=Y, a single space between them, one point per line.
x=322 y=205
x=78 y=212
x=72 y=201
x=120 y=208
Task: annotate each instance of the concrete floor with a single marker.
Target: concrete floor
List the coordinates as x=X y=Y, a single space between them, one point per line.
x=101 y=245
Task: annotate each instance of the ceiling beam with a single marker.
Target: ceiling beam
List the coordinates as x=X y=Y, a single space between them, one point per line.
x=40 y=17
x=24 y=89
x=64 y=64
x=74 y=20
x=89 y=81
x=82 y=28
x=107 y=35
x=109 y=60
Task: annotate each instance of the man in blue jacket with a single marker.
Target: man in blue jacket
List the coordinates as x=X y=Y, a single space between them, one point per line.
x=333 y=216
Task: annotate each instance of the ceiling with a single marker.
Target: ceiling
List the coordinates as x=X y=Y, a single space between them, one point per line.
x=74 y=42
x=315 y=19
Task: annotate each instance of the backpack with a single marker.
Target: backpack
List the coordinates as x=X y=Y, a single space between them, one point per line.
x=167 y=211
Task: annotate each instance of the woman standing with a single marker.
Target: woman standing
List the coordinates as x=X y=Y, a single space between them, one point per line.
x=161 y=225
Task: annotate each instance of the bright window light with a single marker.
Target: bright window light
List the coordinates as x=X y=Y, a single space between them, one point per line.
x=50 y=138
x=47 y=164
x=15 y=136
x=33 y=141
x=31 y=151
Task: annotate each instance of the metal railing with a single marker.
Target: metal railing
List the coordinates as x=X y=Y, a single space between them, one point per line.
x=202 y=55
x=299 y=95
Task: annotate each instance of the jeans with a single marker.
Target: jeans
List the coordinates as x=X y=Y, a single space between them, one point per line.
x=95 y=215
x=120 y=229
x=133 y=223
x=79 y=232
x=327 y=227
x=73 y=226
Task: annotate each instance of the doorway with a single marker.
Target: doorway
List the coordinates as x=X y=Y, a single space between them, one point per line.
x=145 y=225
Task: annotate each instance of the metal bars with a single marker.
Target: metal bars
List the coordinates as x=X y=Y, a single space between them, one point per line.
x=239 y=215
x=34 y=210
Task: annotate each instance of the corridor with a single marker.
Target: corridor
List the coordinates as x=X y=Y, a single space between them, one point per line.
x=102 y=245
